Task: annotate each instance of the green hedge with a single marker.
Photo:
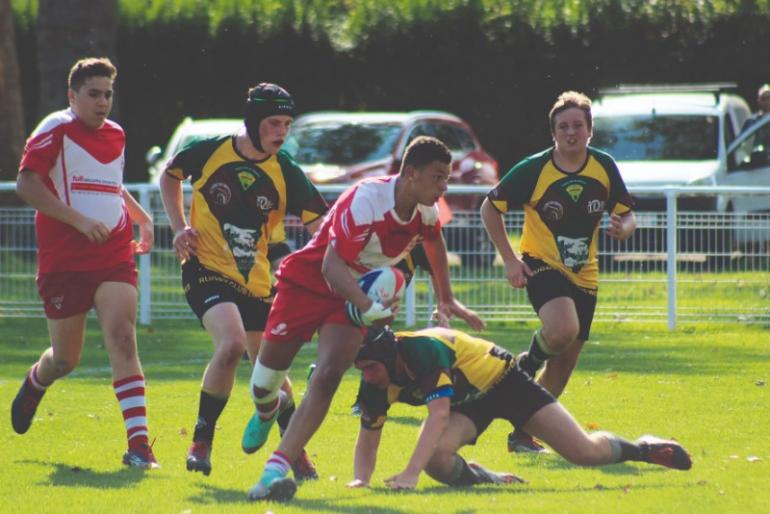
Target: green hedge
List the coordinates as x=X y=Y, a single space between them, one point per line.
x=499 y=64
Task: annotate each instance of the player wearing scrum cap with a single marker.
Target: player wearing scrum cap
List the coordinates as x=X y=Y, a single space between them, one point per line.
x=466 y=383
x=243 y=186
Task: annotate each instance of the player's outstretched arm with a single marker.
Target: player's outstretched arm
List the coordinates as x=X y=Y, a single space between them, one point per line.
x=432 y=430
x=142 y=218
x=365 y=458
x=448 y=305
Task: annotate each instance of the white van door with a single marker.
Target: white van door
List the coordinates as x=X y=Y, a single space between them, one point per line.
x=748 y=164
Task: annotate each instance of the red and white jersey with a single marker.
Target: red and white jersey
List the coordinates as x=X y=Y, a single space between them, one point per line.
x=83 y=167
x=365 y=231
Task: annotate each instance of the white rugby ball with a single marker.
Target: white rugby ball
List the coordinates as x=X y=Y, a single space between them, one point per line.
x=382 y=284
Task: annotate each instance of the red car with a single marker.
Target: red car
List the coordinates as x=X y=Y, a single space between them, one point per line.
x=344 y=147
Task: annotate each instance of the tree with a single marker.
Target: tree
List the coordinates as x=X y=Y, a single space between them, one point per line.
x=68 y=30
x=11 y=110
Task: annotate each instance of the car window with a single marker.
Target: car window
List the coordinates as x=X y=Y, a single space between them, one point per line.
x=657 y=137
x=466 y=141
x=342 y=144
x=421 y=129
x=444 y=133
x=752 y=153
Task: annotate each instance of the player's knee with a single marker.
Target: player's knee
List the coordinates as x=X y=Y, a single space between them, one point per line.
x=561 y=336
x=64 y=364
x=266 y=383
x=231 y=350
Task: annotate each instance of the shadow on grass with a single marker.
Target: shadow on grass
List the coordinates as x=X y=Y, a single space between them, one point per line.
x=516 y=489
x=553 y=461
x=65 y=475
x=211 y=495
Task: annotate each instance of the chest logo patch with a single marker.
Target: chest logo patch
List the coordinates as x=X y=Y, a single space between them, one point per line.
x=246 y=179
x=220 y=193
x=553 y=210
x=264 y=204
x=574 y=190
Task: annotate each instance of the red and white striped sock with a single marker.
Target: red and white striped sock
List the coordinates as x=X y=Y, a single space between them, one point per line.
x=130 y=394
x=278 y=462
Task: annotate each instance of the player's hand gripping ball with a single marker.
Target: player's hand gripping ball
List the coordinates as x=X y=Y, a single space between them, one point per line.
x=381 y=285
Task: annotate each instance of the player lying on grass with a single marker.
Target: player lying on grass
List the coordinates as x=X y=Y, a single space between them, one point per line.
x=466 y=382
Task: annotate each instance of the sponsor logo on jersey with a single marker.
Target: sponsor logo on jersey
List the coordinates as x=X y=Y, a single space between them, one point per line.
x=220 y=193
x=243 y=243
x=553 y=210
x=595 y=206
x=281 y=329
x=264 y=204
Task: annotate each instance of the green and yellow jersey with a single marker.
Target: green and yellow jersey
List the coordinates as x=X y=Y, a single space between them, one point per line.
x=437 y=362
x=562 y=210
x=238 y=204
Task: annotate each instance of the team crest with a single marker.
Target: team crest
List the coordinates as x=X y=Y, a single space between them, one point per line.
x=574 y=190
x=246 y=178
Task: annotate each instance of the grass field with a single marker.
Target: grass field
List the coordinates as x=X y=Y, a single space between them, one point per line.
x=706 y=387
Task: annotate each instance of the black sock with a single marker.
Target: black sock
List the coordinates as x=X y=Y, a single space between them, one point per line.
x=284 y=417
x=623 y=450
x=209 y=409
x=535 y=356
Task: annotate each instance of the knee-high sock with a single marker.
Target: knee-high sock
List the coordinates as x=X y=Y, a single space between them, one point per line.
x=538 y=353
x=209 y=409
x=133 y=405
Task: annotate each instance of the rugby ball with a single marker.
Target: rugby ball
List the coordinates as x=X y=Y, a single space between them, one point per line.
x=382 y=284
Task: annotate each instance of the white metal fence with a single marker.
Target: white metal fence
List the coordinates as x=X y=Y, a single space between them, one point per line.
x=705 y=266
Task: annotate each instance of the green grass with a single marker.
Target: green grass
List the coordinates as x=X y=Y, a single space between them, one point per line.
x=706 y=387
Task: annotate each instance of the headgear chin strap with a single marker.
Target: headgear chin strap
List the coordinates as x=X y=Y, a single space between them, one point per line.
x=380 y=345
x=264 y=100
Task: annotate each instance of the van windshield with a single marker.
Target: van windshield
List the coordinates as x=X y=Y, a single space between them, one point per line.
x=652 y=137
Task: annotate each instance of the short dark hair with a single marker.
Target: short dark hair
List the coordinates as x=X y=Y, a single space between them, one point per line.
x=423 y=150
x=568 y=100
x=89 y=67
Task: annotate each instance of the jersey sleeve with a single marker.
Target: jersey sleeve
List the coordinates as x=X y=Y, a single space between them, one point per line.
x=189 y=161
x=351 y=226
x=431 y=361
x=431 y=227
x=516 y=187
x=620 y=201
x=303 y=199
x=41 y=151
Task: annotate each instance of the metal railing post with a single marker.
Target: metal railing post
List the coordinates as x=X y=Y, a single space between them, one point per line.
x=145 y=276
x=671 y=252
x=411 y=299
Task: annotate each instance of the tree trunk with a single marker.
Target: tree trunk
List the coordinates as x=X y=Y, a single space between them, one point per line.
x=68 y=30
x=11 y=111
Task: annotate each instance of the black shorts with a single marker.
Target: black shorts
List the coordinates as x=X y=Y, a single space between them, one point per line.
x=205 y=288
x=515 y=398
x=547 y=283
